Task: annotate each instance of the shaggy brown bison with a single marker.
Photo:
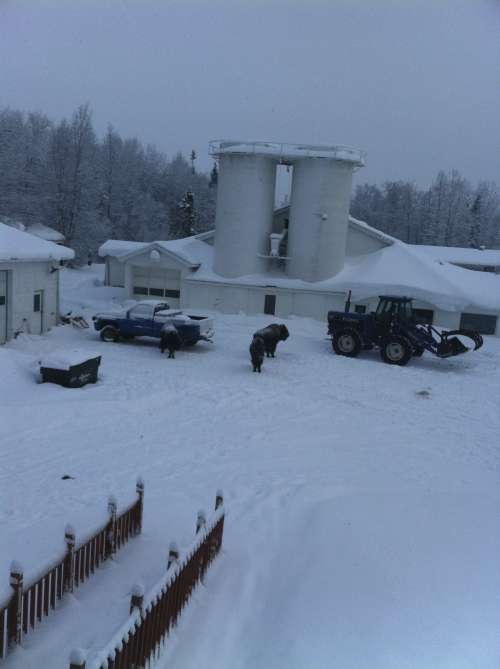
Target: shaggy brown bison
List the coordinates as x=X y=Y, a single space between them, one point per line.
x=257 y=350
x=271 y=335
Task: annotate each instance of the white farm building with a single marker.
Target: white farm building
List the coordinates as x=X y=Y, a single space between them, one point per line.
x=303 y=259
x=29 y=282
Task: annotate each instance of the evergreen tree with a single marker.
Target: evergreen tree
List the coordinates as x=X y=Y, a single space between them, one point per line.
x=183 y=223
x=214 y=177
x=193 y=158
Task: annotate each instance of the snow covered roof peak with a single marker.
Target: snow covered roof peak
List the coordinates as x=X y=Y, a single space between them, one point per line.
x=18 y=245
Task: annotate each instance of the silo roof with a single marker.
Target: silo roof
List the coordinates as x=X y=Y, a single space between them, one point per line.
x=287 y=152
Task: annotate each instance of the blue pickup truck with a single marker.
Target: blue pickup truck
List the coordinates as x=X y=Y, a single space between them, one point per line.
x=146 y=319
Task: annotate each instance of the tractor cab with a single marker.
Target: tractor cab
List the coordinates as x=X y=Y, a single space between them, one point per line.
x=395 y=307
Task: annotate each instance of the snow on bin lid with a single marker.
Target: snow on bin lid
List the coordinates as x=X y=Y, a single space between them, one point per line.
x=64 y=360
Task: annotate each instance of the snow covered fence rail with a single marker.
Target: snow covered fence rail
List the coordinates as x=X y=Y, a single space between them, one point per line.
x=28 y=605
x=139 y=640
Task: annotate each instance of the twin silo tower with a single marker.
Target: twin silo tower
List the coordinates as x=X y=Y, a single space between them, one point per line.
x=319 y=207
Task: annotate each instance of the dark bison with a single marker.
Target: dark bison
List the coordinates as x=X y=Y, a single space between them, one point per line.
x=170 y=340
x=257 y=349
x=271 y=335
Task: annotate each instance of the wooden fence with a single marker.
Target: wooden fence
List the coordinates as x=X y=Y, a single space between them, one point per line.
x=29 y=605
x=138 y=642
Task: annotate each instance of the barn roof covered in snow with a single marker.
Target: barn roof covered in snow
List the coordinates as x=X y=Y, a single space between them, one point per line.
x=18 y=245
x=462 y=256
x=45 y=232
x=397 y=269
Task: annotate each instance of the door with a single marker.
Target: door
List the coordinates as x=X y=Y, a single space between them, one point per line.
x=38 y=312
x=3 y=307
x=140 y=321
x=270 y=304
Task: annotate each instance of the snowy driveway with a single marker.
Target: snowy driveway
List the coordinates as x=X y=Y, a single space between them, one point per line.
x=363 y=524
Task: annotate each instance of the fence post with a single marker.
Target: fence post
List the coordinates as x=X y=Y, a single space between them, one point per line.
x=201 y=521
x=139 y=487
x=111 y=531
x=69 y=562
x=16 y=583
x=173 y=555
x=137 y=597
x=219 y=499
x=77 y=659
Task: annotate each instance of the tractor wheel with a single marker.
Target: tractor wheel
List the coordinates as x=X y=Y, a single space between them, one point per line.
x=396 y=350
x=347 y=342
x=109 y=333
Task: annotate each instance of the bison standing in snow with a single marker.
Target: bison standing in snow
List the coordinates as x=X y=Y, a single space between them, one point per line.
x=257 y=350
x=271 y=335
x=170 y=340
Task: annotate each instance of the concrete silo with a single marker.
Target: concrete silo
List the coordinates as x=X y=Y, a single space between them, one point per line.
x=245 y=206
x=319 y=216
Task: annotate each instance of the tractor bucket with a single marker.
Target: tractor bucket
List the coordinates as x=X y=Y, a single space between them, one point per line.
x=451 y=345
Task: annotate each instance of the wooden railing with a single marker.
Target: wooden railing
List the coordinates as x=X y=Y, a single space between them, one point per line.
x=29 y=605
x=139 y=641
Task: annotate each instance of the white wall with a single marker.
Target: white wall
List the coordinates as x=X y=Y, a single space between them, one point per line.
x=24 y=279
x=359 y=243
x=233 y=299
x=115 y=272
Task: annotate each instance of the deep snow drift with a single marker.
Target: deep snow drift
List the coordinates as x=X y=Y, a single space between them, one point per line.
x=363 y=523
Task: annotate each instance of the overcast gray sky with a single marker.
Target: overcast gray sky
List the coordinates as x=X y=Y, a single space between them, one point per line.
x=416 y=83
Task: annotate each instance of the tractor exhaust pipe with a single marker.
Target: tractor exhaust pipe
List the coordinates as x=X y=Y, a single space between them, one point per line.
x=347 y=306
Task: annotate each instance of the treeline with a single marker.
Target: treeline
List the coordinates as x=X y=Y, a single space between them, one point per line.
x=450 y=213
x=91 y=189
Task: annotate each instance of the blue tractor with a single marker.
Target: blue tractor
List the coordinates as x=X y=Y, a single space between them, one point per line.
x=395 y=331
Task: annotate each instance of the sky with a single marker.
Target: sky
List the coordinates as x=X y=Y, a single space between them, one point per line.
x=414 y=83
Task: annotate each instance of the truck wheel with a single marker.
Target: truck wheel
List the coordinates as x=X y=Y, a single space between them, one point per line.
x=347 y=342
x=396 y=350
x=109 y=333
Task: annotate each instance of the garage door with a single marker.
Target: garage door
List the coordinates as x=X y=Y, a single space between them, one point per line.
x=3 y=307
x=157 y=283
x=483 y=323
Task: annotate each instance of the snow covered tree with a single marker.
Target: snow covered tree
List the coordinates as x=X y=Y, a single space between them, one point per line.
x=475 y=223
x=183 y=223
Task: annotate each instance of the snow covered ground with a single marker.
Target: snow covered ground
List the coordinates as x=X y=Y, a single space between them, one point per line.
x=363 y=514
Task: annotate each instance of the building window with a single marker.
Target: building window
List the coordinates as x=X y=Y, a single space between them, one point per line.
x=37 y=302
x=140 y=290
x=483 y=323
x=270 y=304
x=156 y=292
x=172 y=293
x=424 y=316
x=2 y=300
x=360 y=309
